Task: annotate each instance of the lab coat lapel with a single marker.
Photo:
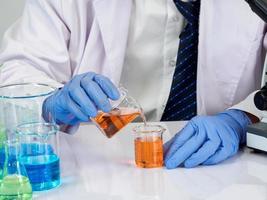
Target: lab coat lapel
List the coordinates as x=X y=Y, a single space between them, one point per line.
x=113 y=17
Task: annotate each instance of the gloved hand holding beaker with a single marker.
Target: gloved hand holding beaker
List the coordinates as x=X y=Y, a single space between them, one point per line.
x=207 y=140
x=80 y=99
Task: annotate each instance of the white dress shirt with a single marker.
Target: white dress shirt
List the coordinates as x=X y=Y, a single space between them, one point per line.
x=151 y=53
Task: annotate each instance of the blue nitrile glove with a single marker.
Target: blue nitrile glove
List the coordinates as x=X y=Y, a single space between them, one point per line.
x=80 y=99
x=207 y=140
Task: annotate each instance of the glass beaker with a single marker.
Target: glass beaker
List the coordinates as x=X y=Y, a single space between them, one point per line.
x=39 y=154
x=148 y=146
x=124 y=111
x=22 y=103
x=14 y=183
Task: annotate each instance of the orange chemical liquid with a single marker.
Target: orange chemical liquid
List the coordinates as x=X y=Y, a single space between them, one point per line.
x=114 y=121
x=149 y=152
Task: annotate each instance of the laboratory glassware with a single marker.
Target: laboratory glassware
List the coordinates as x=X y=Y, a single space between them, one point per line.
x=148 y=146
x=124 y=111
x=2 y=149
x=2 y=159
x=40 y=154
x=14 y=182
x=22 y=103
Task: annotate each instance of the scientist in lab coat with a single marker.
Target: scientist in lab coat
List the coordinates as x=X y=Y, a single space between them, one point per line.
x=178 y=59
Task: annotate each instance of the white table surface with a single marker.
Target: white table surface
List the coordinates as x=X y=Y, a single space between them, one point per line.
x=97 y=168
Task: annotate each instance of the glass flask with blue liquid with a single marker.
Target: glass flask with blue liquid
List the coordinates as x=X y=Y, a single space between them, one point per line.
x=39 y=154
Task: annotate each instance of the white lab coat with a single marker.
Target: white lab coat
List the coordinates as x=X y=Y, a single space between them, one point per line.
x=57 y=39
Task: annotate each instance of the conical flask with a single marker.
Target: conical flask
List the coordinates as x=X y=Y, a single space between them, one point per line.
x=14 y=183
x=2 y=159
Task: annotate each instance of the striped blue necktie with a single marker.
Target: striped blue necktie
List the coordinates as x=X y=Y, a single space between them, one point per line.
x=181 y=104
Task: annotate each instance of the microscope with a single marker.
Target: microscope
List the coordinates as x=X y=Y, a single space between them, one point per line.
x=257 y=133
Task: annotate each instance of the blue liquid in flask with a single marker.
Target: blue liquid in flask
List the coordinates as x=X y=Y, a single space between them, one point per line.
x=43 y=169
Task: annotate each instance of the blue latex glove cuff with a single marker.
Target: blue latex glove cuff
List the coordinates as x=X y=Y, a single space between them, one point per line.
x=242 y=119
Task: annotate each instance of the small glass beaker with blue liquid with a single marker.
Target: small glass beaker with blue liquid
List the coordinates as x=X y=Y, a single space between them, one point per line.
x=40 y=154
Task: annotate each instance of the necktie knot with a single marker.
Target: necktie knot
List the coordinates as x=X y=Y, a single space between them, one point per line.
x=190 y=10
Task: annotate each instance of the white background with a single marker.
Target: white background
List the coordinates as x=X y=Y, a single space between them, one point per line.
x=10 y=10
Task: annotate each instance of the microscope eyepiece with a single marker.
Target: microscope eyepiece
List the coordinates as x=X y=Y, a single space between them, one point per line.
x=260 y=99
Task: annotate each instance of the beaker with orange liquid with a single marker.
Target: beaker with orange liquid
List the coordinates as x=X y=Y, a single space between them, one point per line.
x=148 y=146
x=124 y=111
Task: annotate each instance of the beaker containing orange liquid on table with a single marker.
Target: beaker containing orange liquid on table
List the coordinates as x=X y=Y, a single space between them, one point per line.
x=123 y=112
x=148 y=146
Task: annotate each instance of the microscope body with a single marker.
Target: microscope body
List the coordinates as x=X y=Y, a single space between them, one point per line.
x=257 y=136
x=257 y=133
